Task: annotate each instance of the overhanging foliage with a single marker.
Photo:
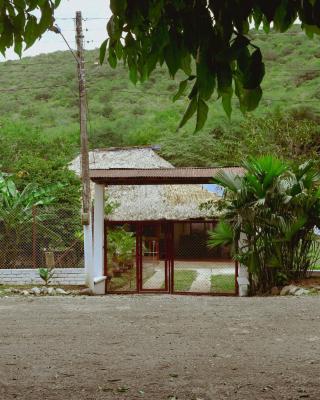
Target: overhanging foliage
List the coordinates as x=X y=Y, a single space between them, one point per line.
x=213 y=34
x=24 y=21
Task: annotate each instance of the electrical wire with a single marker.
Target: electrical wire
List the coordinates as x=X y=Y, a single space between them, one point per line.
x=69 y=47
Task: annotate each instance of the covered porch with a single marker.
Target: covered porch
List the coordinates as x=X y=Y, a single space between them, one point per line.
x=203 y=270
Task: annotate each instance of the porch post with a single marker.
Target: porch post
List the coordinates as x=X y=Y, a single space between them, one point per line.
x=97 y=282
x=243 y=275
x=88 y=256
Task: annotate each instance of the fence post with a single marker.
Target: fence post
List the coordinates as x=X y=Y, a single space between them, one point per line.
x=34 y=237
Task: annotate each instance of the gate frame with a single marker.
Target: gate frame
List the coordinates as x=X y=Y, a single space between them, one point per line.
x=169 y=259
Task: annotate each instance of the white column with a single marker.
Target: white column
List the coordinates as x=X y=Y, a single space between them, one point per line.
x=97 y=283
x=243 y=276
x=88 y=255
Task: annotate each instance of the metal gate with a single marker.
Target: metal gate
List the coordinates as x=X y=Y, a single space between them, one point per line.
x=166 y=257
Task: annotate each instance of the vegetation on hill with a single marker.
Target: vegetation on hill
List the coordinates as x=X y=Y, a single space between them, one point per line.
x=39 y=111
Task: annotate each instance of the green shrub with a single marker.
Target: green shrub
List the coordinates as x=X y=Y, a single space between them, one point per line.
x=269 y=216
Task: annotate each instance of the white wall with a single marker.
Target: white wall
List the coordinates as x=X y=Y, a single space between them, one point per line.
x=63 y=276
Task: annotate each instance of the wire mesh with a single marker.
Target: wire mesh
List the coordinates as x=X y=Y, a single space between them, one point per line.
x=167 y=257
x=198 y=268
x=48 y=233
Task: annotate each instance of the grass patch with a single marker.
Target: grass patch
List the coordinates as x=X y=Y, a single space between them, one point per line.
x=127 y=281
x=183 y=280
x=222 y=283
x=314 y=267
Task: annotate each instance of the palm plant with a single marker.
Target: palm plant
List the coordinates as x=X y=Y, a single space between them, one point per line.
x=271 y=211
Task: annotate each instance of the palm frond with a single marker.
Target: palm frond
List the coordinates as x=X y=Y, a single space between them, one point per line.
x=222 y=234
x=228 y=180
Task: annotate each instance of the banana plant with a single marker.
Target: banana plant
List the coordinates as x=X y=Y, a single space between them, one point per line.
x=16 y=215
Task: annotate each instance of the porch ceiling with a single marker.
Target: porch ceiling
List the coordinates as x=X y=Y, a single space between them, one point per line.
x=158 y=176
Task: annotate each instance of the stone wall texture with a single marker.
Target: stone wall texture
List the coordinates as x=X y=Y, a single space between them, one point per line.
x=63 y=276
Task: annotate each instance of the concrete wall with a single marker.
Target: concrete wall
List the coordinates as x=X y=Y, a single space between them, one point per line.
x=63 y=276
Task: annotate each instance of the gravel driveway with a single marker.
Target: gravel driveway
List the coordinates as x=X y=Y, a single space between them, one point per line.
x=159 y=347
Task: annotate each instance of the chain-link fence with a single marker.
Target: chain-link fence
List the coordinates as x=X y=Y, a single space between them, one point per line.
x=197 y=267
x=48 y=234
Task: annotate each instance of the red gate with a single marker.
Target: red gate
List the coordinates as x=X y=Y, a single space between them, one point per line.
x=166 y=257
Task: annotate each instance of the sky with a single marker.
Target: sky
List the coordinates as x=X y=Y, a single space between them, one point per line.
x=97 y=12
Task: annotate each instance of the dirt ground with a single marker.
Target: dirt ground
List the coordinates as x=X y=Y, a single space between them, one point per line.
x=159 y=347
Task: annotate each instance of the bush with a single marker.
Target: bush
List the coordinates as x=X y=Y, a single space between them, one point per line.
x=271 y=212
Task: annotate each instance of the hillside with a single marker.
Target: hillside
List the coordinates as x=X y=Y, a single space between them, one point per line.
x=39 y=94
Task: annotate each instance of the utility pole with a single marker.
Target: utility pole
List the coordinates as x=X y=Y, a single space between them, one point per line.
x=84 y=156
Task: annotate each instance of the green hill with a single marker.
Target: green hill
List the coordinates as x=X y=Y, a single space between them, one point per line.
x=39 y=108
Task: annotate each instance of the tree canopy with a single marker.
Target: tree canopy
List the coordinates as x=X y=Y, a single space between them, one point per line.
x=213 y=35
x=24 y=21
x=209 y=40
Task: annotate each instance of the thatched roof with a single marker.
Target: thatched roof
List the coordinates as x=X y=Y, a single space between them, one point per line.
x=151 y=202
x=122 y=157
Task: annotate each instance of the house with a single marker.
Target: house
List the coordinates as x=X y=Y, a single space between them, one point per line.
x=150 y=232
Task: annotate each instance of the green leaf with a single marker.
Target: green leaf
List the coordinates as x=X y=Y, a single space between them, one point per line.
x=254 y=72
x=284 y=16
x=30 y=34
x=19 y=4
x=118 y=7
x=251 y=98
x=221 y=235
x=206 y=80
x=20 y=21
x=18 y=47
x=112 y=58
x=118 y=49
x=202 y=114
x=186 y=64
x=103 y=49
x=228 y=180
x=11 y=187
x=192 y=108
x=241 y=42
x=226 y=102
x=224 y=76
x=182 y=88
x=257 y=16
x=194 y=90
x=151 y=62
x=172 y=59
x=133 y=73
x=46 y=19
x=266 y=24
x=114 y=28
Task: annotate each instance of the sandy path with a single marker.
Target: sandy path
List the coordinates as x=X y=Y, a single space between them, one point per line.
x=159 y=347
